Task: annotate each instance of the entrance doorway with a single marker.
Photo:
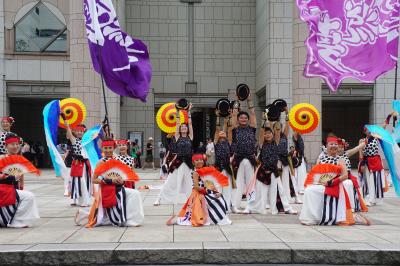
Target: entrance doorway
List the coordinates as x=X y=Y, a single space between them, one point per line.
x=29 y=123
x=346 y=120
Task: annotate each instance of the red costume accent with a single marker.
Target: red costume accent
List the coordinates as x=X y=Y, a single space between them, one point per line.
x=108 y=143
x=122 y=142
x=332 y=139
x=108 y=195
x=12 y=140
x=199 y=156
x=8 y=195
x=374 y=163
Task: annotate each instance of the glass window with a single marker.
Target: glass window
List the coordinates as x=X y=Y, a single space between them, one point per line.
x=40 y=31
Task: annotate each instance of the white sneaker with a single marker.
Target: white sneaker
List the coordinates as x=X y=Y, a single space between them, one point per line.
x=235 y=210
x=157 y=202
x=291 y=211
x=298 y=200
x=246 y=211
x=267 y=207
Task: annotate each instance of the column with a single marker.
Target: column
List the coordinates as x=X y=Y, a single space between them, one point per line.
x=306 y=90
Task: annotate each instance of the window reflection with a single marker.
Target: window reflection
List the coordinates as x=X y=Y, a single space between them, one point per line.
x=40 y=31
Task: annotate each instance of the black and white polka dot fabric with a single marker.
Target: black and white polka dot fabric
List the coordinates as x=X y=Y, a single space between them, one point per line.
x=105 y=159
x=77 y=147
x=128 y=160
x=325 y=159
x=347 y=161
x=3 y=149
x=372 y=148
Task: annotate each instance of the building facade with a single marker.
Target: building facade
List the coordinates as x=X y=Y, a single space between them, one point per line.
x=200 y=50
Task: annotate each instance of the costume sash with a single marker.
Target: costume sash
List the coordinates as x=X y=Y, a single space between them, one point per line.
x=77 y=168
x=374 y=163
x=8 y=195
x=108 y=195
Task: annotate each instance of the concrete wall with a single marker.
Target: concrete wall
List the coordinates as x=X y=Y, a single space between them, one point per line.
x=224 y=34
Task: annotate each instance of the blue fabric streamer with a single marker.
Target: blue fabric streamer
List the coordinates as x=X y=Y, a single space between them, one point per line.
x=90 y=144
x=391 y=151
x=51 y=114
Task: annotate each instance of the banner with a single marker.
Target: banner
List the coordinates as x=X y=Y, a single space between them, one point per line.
x=123 y=61
x=350 y=38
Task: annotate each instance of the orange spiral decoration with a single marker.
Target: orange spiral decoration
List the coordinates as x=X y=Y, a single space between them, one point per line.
x=304 y=118
x=74 y=110
x=166 y=117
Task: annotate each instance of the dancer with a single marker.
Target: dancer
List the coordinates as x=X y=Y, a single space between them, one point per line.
x=179 y=178
x=17 y=207
x=169 y=156
x=6 y=123
x=301 y=171
x=80 y=187
x=244 y=150
x=288 y=175
x=374 y=171
x=124 y=157
x=205 y=205
x=268 y=184
x=222 y=159
x=325 y=200
x=116 y=204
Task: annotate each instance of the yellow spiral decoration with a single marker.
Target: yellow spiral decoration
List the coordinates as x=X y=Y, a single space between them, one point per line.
x=166 y=117
x=304 y=118
x=74 y=110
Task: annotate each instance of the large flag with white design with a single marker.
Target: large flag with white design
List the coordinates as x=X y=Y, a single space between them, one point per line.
x=123 y=61
x=350 y=38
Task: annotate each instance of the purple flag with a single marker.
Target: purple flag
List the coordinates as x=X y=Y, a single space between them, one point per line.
x=350 y=38
x=123 y=61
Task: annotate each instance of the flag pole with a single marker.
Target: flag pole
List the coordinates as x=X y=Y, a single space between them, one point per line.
x=105 y=121
x=395 y=92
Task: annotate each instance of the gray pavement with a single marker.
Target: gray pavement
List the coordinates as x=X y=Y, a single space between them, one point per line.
x=55 y=239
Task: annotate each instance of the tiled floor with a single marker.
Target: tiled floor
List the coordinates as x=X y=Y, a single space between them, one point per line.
x=56 y=227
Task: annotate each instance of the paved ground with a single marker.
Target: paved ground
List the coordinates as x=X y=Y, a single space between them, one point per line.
x=56 y=229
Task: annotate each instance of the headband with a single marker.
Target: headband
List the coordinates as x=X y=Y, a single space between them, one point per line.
x=121 y=142
x=199 y=156
x=332 y=139
x=108 y=143
x=79 y=128
x=12 y=140
x=8 y=119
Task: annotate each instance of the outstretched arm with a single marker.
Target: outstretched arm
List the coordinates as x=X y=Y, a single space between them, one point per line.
x=178 y=124
x=286 y=129
x=190 y=122
x=70 y=136
x=217 y=126
x=356 y=149
x=252 y=112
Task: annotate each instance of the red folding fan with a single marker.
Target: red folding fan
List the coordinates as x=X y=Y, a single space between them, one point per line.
x=113 y=169
x=212 y=177
x=17 y=165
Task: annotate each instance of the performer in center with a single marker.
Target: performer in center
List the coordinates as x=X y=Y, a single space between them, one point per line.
x=222 y=158
x=120 y=206
x=179 y=178
x=289 y=183
x=375 y=173
x=326 y=202
x=123 y=156
x=80 y=181
x=244 y=145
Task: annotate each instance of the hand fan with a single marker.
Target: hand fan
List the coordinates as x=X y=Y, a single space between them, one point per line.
x=322 y=173
x=212 y=177
x=17 y=165
x=113 y=169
